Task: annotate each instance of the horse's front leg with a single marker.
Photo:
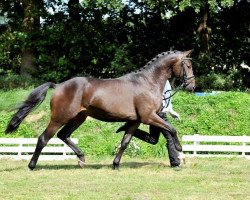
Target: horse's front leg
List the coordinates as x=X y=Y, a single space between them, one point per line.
x=124 y=143
x=155 y=120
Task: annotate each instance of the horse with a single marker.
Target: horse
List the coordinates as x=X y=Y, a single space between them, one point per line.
x=133 y=98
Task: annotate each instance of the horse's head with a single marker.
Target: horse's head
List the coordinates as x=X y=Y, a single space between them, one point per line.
x=183 y=70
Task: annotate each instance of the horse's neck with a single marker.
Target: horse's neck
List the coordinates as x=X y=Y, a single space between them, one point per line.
x=159 y=75
x=154 y=74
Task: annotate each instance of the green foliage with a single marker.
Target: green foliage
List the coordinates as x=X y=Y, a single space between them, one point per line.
x=10 y=48
x=121 y=63
x=111 y=38
x=226 y=113
x=182 y=5
x=215 y=81
x=9 y=81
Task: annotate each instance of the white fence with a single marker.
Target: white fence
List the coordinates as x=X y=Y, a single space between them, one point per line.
x=23 y=148
x=203 y=145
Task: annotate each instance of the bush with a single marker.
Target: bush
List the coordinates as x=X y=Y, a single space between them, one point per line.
x=213 y=81
x=9 y=81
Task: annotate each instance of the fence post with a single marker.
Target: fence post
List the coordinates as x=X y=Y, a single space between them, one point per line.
x=64 y=150
x=196 y=136
x=244 y=144
x=19 y=153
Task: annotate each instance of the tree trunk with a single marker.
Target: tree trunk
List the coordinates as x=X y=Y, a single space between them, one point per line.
x=31 y=24
x=74 y=10
x=204 y=30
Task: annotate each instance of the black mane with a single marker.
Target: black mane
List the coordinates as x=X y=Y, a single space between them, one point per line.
x=158 y=58
x=151 y=64
x=141 y=74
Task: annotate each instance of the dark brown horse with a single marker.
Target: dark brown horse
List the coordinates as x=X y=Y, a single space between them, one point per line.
x=134 y=98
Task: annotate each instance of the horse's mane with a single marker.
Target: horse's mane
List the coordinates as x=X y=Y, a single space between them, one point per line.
x=151 y=64
x=158 y=58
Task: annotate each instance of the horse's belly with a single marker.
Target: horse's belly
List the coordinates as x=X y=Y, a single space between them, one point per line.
x=116 y=115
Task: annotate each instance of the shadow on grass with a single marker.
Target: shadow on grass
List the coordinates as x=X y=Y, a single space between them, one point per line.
x=11 y=169
x=132 y=165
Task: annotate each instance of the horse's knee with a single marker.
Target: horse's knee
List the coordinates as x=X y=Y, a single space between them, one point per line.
x=42 y=141
x=124 y=145
x=125 y=142
x=61 y=136
x=172 y=132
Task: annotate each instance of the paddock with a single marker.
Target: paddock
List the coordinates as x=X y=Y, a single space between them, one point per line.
x=149 y=178
x=152 y=178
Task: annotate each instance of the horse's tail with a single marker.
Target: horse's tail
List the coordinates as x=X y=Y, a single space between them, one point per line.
x=34 y=99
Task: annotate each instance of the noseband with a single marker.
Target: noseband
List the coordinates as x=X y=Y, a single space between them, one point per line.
x=185 y=78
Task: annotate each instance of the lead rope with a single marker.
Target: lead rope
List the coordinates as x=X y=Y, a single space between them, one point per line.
x=171 y=95
x=179 y=87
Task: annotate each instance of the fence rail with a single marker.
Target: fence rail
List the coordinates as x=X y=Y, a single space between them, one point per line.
x=23 y=148
x=208 y=146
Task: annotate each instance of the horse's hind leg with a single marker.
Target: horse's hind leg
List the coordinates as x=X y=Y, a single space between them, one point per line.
x=152 y=137
x=124 y=143
x=42 y=142
x=65 y=133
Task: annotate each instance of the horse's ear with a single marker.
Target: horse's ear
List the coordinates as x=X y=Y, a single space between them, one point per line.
x=188 y=53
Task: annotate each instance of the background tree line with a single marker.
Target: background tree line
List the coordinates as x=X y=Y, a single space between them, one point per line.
x=55 y=40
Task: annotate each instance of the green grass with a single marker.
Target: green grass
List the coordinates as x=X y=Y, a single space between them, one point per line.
x=227 y=113
x=203 y=179
x=10 y=99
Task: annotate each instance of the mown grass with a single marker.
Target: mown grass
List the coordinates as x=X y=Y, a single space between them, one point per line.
x=144 y=179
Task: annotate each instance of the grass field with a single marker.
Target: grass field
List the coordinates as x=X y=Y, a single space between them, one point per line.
x=139 y=179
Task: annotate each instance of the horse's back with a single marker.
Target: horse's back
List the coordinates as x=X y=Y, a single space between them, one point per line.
x=105 y=99
x=112 y=99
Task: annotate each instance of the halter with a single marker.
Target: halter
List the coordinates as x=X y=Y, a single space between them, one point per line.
x=185 y=78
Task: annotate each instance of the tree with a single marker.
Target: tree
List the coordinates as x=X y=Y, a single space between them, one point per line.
x=31 y=24
x=204 y=30
x=107 y=38
x=205 y=8
x=74 y=10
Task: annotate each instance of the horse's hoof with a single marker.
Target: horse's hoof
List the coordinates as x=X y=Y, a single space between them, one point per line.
x=182 y=158
x=115 y=166
x=31 y=168
x=176 y=168
x=81 y=163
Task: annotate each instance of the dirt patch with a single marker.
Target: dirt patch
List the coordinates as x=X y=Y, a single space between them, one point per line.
x=35 y=117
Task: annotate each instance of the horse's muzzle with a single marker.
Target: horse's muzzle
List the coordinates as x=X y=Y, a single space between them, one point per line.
x=190 y=86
